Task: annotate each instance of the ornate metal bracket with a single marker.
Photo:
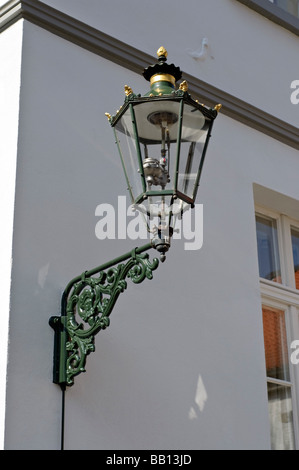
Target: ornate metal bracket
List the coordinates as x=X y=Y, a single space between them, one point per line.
x=87 y=303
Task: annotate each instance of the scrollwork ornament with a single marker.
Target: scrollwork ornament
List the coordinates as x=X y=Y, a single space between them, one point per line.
x=90 y=303
x=143 y=268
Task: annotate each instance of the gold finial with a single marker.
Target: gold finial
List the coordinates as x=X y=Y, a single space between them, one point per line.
x=218 y=107
x=162 y=51
x=128 y=90
x=108 y=116
x=183 y=86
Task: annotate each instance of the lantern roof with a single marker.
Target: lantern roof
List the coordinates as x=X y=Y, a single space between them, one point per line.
x=162 y=77
x=162 y=68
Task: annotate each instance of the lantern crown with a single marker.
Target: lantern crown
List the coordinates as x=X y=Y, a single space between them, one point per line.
x=161 y=75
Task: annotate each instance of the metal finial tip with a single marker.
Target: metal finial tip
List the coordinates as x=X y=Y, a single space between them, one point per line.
x=162 y=52
x=184 y=86
x=128 y=90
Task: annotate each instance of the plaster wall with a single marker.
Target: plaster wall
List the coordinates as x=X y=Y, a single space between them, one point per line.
x=248 y=56
x=10 y=75
x=182 y=364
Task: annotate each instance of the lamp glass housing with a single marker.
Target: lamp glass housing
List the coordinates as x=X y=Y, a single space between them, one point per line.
x=162 y=143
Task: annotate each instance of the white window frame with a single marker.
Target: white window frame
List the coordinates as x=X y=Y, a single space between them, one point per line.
x=285 y=297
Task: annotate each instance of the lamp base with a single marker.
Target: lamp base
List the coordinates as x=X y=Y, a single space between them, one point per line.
x=161 y=240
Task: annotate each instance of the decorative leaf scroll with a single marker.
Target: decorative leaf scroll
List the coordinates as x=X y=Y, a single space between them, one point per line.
x=90 y=303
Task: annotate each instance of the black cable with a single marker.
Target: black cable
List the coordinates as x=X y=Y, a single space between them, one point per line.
x=62 y=417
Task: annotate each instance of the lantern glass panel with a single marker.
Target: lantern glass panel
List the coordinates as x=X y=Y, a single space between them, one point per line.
x=157 y=127
x=125 y=139
x=150 y=143
x=194 y=134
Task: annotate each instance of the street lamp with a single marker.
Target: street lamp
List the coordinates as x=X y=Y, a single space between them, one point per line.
x=162 y=139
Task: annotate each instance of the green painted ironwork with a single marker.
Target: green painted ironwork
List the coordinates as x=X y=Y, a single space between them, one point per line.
x=87 y=303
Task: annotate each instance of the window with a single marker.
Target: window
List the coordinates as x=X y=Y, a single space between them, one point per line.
x=278 y=257
x=269 y=263
x=278 y=379
x=295 y=249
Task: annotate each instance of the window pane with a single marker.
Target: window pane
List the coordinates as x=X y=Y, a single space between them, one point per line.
x=267 y=244
x=281 y=417
x=275 y=339
x=295 y=247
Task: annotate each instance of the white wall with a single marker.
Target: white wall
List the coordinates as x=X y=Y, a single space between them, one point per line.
x=182 y=364
x=248 y=55
x=10 y=74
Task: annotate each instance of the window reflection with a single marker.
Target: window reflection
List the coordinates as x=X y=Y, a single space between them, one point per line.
x=295 y=247
x=278 y=377
x=267 y=245
x=281 y=417
x=276 y=348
